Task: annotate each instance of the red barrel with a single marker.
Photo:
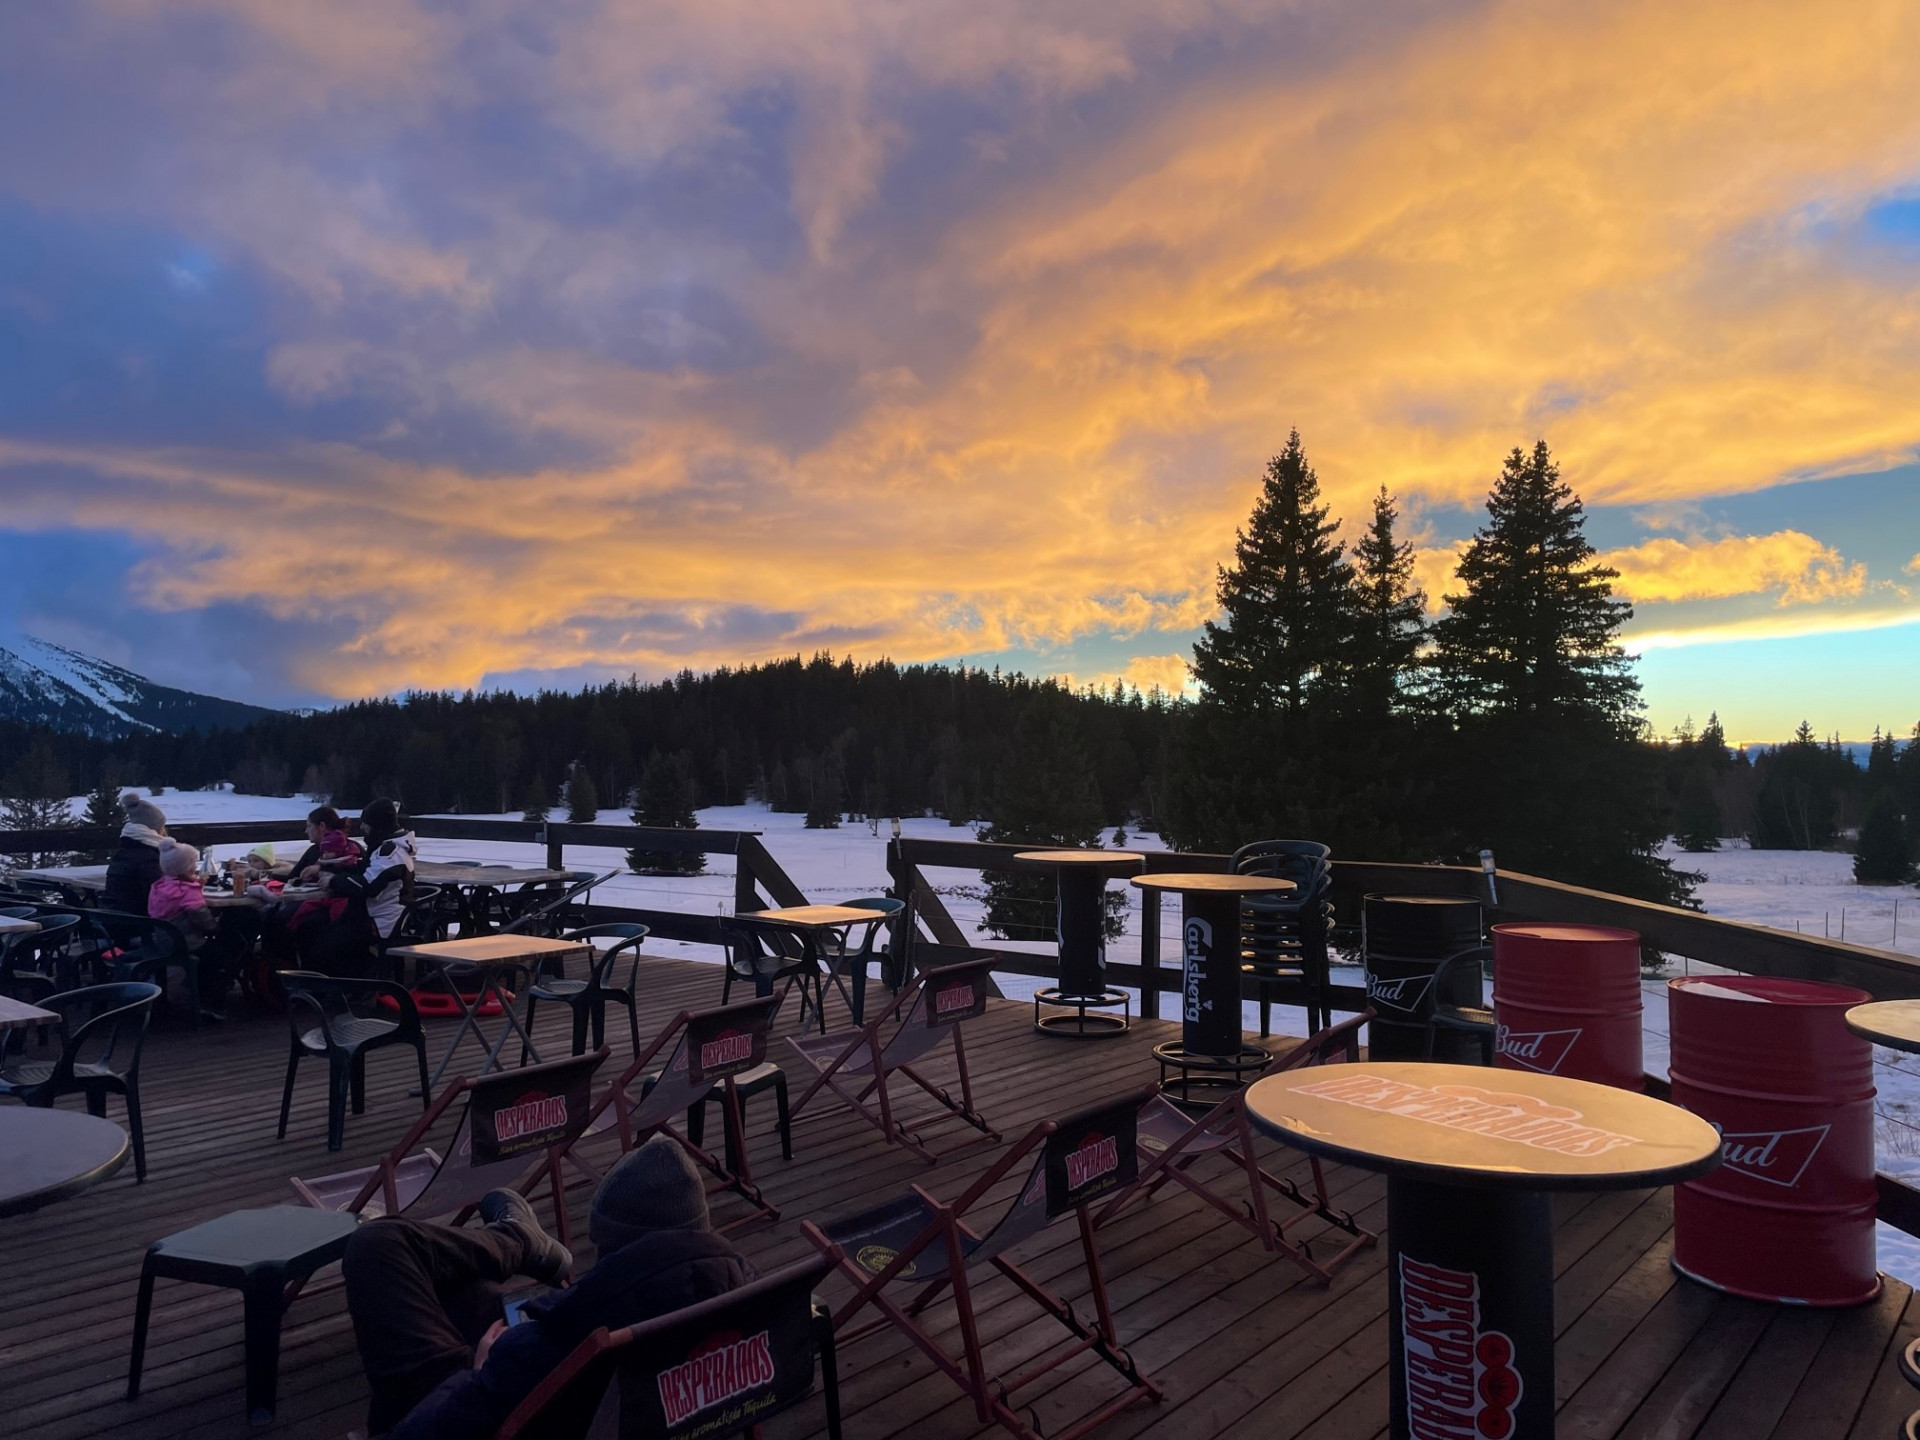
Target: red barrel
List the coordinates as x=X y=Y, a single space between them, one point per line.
x=1566 y=1001
x=1788 y=1216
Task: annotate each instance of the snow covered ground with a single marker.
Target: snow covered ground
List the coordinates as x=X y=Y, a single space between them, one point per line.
x=1808 y=891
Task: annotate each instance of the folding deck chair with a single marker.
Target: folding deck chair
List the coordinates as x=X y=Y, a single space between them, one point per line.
x=512 y=1133
x=709 y=1048
x=1177 y=1143
x=918 y=1241
x=926 y=1013
x=714 y=1369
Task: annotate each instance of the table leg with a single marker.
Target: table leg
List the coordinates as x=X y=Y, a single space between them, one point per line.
x=1470 y=1317
x=1080 y=927
x=468 y=1021
x=507 y=1031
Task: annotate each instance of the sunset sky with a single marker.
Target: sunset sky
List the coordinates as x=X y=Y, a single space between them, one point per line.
x=348 y=346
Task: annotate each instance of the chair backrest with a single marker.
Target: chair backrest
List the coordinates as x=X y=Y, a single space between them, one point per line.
x=943 y=997
x=708 y=1046
x=104 y=1024
x=1257 y=857
x=1090 y=1154
x=509 y=1115
x=329 y=999
x=710 y=1370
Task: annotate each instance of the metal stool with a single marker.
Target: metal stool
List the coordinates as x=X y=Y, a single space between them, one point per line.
x=264 y=1254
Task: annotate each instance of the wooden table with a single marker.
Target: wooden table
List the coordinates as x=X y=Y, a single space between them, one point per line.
x=1211 y=1060
x=809 y=922
x=1080 y=885
x=49 y=1155
x=18 y=1015
x=1892 y=1023
x=492 y=956
x=1471 y=1158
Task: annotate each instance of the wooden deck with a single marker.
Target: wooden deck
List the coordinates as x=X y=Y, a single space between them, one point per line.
x=1244 y=1345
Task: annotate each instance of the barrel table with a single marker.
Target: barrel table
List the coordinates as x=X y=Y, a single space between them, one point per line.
x=1471 y=1164
x=1773 y=1066
x=1404 y=939
x=1566 y=1001
x=1081 y=877
x=50 y=1155
x=1211 y=1060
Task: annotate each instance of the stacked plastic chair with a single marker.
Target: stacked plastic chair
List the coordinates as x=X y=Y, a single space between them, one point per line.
x=1283 y=941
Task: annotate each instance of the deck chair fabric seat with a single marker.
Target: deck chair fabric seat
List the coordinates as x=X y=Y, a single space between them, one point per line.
x=705 y=1050
x=712 y=1370
x=1176 y=1142
x=927 y=1014
x=916 y=1240
x=511 y=1134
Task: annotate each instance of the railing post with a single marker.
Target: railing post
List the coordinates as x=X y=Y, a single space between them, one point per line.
x=1149 y=954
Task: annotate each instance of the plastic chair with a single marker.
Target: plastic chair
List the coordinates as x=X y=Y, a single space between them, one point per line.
x=322 y=1021
x=101 y=1022
x=774 y=1324
x=1474 y=1020
x=137 y=947
x=421 y=922
x=788 y=959
x=543 y=907
x=843 y=958
x=917 y=1241
x=588 y=998
x=1283 y=940
x=35 y=962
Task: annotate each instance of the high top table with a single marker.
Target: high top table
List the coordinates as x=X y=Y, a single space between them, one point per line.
x=1211 y=1059
x=1471 y=1158
x=491 y=956
x=1080 y=924
x=1892 y=1023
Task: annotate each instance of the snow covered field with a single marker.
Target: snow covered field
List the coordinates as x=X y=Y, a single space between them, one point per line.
x=1809 y=891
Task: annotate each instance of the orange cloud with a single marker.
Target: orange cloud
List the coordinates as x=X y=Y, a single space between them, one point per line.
x=1796 y=566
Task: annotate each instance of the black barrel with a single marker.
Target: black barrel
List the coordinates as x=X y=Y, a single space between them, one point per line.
x=1405 y=937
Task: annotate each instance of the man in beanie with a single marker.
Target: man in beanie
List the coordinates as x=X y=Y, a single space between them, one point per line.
x=135 y=862
x=425 y=1298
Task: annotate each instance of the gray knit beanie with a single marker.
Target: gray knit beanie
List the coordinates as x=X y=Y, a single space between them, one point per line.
x=653 y=1188
x=142 y=811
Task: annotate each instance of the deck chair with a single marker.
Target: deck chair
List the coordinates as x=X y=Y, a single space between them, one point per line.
x=857 y=1065
x=704 y=1049
x=714 y=1369
x=512 y=1133
x=1177 y=1143
x=917 y=1241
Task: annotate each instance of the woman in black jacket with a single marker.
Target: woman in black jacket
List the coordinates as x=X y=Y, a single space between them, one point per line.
x=135 y=862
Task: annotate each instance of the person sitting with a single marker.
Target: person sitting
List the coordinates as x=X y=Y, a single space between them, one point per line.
x=177 y=897
x=425 y=1300
x=328 y=846
x=364 y=901
x=135 y=862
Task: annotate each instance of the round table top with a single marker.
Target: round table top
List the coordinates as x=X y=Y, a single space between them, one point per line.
x=1893 y=1023
x=1118 y=859
x=1460 y=1125
x=49 y=1155
x=1213 y=883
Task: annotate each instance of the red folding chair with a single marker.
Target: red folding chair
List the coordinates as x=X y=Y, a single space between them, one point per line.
x=714 y=1369
x=918 y=1241
x=511 y=1134
x=1177 y=1143
x=858 y=1065
x=705 y=1049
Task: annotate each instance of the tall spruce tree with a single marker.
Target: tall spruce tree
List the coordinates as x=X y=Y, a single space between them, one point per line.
x=1549 y=766
x=1535 y=627
x=536 y=805
x=104 y=812
x=1287 y=599
x=665 y=800
x=583 y=798
x=33 y=796
x=1389 y=612
x=1883 y=857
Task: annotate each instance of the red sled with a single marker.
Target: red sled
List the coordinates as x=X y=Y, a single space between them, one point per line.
x=442 y=1005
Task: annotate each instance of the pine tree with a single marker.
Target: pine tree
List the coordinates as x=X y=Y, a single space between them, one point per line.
x=536 y=805
x=1287 y=598
x=665 y=800
x=1883 y=856
x=1798 y=807
x=105 y=813
x=1697 y=816
x=33 y=796
x=1389 y=612
x=1535 y=628
x=1712 y=744
x=583 y=801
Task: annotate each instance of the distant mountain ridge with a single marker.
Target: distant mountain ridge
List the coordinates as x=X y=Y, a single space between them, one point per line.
x=46 y=684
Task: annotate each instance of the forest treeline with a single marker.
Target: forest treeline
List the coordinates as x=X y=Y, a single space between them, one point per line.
x=1331 y=704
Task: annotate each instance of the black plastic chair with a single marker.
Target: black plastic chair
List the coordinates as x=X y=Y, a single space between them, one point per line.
x=1283 y=939
x=852 y=960
x=35 y=963
x=127 y=948
x=1474 y=1020
x=787 y=959
x=322 y=1020
x=421 y=922
x=104 y=1028
x=588 y=998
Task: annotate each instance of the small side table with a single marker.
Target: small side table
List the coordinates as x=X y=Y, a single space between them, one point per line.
x=1471 y=1159
x=1080 y=924
x=264 y=1254
x=1211 y=1060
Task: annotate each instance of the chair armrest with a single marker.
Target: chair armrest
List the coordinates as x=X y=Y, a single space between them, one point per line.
x=1476 y=954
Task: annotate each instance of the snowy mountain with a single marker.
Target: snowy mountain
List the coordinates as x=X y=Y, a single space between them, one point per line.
x=46 y=684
